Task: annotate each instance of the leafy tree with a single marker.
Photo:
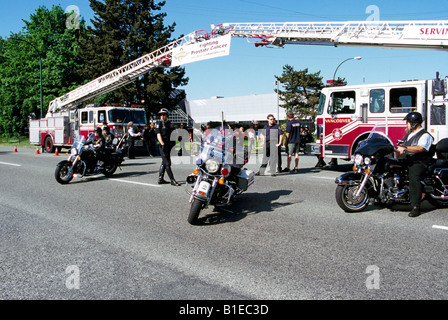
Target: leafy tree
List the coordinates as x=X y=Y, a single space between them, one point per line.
x=46 y=35
x=301 y=91
x=122 y=31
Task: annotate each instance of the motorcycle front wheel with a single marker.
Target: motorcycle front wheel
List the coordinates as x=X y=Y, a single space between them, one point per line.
x=348 y=201
x=195 y=209
x=62 y=173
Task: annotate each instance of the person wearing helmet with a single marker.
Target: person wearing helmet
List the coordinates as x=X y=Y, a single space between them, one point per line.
x=99 y=144
x=163 y=132
x=416 y=145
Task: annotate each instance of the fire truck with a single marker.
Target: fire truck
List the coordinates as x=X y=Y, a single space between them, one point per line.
x=347 y=114
x=58 y=130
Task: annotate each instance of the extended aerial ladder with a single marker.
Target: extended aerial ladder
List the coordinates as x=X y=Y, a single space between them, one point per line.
x=386 y=34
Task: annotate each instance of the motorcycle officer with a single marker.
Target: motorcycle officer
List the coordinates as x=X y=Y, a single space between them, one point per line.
x=99 y=145
x=163 y=132
x=416 y=146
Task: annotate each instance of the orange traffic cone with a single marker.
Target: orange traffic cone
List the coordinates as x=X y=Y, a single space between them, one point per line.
x=56 y=153
x=15 y=148
x=37 y=150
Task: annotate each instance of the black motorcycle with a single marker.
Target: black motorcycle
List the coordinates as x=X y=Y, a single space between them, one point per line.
x=83 y=161
x=219 y=175
x=379 y=176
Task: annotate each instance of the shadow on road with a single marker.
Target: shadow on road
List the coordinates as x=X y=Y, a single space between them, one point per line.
x=246 y=204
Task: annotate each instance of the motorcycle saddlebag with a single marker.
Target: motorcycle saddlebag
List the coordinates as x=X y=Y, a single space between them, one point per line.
x=245 y=179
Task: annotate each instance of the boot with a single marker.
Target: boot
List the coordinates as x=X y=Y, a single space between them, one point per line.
x=320 y=163
x=171 y=176
x=161 y=174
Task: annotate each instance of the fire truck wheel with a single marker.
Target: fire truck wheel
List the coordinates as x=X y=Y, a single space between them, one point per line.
x=48 y=145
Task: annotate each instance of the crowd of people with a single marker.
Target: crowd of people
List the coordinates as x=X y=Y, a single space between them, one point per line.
x=157 y=141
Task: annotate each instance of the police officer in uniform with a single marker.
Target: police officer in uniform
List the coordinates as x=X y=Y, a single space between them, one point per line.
x=416 y=146
x=163 y=132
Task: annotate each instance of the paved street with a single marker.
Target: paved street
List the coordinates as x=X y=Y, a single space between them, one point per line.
x=128 y=238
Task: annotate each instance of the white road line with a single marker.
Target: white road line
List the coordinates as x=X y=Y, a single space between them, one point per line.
x=325 y=178
x=134 y=182
x=440 y=227
x=11 y=164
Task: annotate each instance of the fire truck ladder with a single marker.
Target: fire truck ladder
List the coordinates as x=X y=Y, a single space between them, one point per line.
x=121 y=76
x=386 y=34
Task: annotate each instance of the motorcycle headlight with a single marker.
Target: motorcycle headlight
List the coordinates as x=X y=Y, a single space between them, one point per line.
x=74 y=152
x=212 y=166
x=367 y=160
x=358 y=159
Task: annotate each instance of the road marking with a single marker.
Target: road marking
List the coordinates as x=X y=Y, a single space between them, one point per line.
x=11 y=164
x=440 y=227
x=134 y=182
x=325 y=178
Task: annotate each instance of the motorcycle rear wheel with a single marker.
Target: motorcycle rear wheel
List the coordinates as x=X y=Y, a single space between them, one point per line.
x=195 y=209
x=109 y=169
x=61 y=173
x=348 y=201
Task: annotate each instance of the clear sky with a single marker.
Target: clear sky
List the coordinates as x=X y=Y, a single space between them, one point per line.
x=249 y=70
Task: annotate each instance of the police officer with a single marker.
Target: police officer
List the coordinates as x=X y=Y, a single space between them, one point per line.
x=108 y=137
x=416 y=146
x=163 y=132
x=99 y=144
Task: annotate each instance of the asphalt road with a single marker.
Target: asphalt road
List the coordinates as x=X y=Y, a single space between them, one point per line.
x=284 y=239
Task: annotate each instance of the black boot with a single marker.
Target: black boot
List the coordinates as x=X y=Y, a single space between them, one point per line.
x=161 y=174
x=171 y=176
x=320 y=163
x=415 y=212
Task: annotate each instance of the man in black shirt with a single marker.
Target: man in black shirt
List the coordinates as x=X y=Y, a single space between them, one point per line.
x=272 y=131
x=163 y=132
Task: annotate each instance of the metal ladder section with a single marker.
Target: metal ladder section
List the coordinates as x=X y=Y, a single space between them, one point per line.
x=390 y=34
x=120 y=76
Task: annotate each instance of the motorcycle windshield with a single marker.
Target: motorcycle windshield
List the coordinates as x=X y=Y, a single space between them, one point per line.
x=78 y=143
x=218 y=146
x=377 y=142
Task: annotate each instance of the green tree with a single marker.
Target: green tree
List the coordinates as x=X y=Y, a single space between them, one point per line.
x=122 y=31
x=300 y=91
x=47 y=35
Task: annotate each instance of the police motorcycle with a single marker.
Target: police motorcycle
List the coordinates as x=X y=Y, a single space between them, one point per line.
x=82 y=161
x=380 y=176
x=219 y=175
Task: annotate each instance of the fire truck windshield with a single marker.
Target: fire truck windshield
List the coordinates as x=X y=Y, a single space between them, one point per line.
x=126 y=115
x=320 y=108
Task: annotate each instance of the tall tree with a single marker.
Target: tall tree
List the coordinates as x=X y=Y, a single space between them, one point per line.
x=301 y=91
x=46 y=35
x=122 y=31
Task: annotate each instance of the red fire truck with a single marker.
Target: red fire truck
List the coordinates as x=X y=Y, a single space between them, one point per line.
x=347 y=114
x=58 y=130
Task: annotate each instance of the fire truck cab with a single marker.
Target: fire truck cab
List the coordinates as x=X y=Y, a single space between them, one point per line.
x=60 y=129
x=347 y=114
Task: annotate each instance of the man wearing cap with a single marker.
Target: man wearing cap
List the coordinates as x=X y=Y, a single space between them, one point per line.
x=163 y=132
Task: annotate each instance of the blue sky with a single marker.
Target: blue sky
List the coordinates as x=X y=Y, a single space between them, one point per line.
x=249 y=70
